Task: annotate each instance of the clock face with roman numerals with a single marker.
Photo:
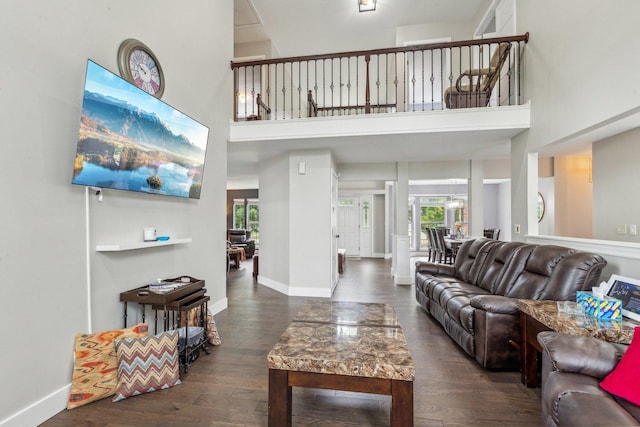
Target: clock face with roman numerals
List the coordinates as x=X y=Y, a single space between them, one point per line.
x=139 y=66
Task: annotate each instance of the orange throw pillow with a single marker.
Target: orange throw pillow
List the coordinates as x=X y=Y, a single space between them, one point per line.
x=95 y=365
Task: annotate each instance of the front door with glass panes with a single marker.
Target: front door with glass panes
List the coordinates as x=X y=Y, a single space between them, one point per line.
x=355 y=225
x=349 y=225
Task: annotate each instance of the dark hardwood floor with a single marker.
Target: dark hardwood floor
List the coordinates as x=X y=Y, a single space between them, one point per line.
x=229 y=387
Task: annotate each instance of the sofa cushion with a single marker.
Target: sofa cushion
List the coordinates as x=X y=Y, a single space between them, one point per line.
x=470 y=258
x=580 y=354
x=493 y=267
x=624 y=379
x=576 y=400
x=535 y=276
x=461 y=312
x=237 y=238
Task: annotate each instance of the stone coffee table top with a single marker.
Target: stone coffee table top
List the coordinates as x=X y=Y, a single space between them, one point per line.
x=348 y=313
x=344 y=338
x=546 y=312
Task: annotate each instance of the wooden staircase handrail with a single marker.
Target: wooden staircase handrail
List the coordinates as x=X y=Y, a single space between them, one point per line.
x=412 y=48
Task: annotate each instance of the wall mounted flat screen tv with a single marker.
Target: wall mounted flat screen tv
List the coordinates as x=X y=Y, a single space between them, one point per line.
x=131 y=140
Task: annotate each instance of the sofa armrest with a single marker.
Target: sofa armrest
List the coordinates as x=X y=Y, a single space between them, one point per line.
x=581 y=355
x=495 y=304
x=435 y=269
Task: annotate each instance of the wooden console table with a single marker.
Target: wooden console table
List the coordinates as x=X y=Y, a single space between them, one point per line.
x=537 y=316
x=342 y=346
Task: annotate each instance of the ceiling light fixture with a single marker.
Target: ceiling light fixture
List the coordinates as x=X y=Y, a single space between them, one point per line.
x=367 y=5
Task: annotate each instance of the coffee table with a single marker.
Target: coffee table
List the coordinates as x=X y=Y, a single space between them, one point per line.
x=346 y=346
x=538 y=315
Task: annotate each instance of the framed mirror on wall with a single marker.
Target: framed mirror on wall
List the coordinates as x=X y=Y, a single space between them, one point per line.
x=540 y=207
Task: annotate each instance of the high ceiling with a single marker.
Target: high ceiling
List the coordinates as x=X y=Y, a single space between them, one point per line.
x=326 y=26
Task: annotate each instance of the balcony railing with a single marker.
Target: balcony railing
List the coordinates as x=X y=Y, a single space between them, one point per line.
x=463 y=74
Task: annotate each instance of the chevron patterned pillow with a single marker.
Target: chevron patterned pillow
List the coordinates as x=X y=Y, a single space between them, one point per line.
x=147 y=364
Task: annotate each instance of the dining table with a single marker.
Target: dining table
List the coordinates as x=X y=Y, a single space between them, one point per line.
x=454 y=243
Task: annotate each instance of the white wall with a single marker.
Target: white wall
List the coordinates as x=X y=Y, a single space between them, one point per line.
x=439 y=170
x=578 y=68
x=491 y=205
x=504 y=201
x=310 y=236
x=615 y=178
x=295 y=223
x=546 y=187
x=573 y=197
x=274 y=223
x=576 y=77
x=44 y=48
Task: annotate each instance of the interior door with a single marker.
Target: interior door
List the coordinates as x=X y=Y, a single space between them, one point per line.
x=349 y=225
x=366 y=226
x=334 y=227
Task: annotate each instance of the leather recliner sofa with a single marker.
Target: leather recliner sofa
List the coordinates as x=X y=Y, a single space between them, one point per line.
x=476 y=299
x=572 y=368
x=242 y=238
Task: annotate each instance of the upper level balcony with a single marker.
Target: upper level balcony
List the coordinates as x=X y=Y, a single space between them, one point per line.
x=471 y=85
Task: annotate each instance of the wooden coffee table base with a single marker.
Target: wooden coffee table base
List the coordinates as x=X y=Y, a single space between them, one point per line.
x=280 y=396
x=339 y=345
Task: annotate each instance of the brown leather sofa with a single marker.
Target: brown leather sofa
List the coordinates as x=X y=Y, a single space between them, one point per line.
x=572 y=368
x=239 y=237
x=476 y=299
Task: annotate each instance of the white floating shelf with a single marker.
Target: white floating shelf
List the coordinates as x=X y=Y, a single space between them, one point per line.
x=142 y=245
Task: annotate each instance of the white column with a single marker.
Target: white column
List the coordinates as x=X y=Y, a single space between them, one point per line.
x=402 y=274
x=532 y=194
x=524 y=189
x=476 y=198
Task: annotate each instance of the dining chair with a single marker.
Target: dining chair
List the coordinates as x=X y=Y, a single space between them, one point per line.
x=491 y=233
x=431 y=253
x=438 y=252
x=446 y=254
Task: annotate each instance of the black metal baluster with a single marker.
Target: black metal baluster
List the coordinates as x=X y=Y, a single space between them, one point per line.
x=245 y=92
x=284 y=91
x=518 y=67
x=432 y=78
x=268 y=86
x=349 y=80
x=386 y=82
x=395 y=78
x=299 y=89
x=443 y=60
x=422 y=77
x=253 y=90
x=275 y=92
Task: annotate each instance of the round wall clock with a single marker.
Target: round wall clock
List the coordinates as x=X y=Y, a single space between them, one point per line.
x=139 y=65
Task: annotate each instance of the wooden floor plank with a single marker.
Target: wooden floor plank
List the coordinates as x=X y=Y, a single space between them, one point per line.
x=230 y=386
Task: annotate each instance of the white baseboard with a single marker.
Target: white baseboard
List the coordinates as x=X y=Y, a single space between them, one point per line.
x=45 y=408
x=219 y=306
x=294 y=291
x=402 y=279
x=40 y=411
